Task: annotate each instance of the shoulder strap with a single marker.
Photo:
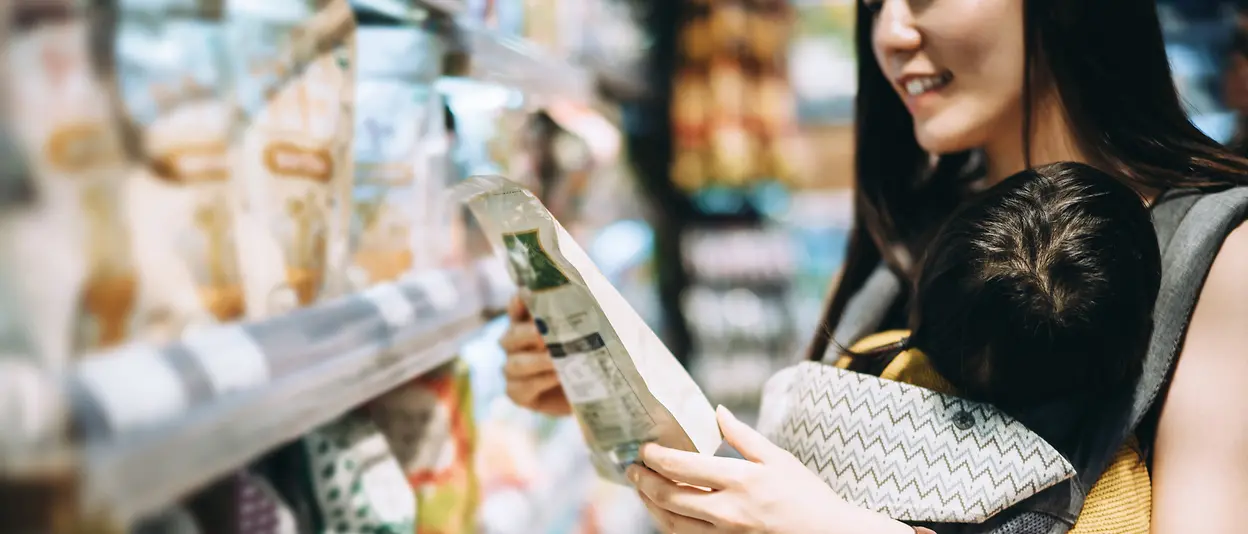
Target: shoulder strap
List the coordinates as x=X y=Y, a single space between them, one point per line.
x=866 y=310
x=1190 y=229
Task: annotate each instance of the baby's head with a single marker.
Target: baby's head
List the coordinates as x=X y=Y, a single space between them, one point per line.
x=1040 y=288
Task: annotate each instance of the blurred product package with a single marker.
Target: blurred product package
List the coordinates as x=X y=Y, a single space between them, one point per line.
x=295 y=62
x=175 y=85
x=399 y=131
x=73 y=280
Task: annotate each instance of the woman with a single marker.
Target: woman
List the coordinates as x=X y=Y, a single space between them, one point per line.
x=995 y=86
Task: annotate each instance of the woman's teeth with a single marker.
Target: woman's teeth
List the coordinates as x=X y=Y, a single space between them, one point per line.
x=918 y=86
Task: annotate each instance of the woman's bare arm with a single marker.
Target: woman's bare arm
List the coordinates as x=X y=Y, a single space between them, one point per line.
x=1200 y=469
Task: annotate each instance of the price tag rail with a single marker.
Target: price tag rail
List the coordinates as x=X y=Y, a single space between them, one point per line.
x=152 y=425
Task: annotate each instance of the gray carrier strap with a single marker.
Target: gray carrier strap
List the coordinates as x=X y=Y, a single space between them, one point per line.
x=1190 y=228
x=865 y=310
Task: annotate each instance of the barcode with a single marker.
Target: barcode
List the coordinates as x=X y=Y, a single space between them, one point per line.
x=582 y=345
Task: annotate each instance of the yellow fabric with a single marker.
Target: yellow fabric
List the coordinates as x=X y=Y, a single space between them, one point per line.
x=1121 y=501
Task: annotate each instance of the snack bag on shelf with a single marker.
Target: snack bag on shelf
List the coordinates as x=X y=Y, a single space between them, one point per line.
x=261 y=509
x=359 y=485
x=293 y=64
x=625 y=387
x=68 y=251
x=176 y=520
x=430 y=426
x=396 y=71
x=446 y=222
x=175 y=87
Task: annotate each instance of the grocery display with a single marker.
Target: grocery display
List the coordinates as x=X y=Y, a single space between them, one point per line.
x=234 y=294
x=733 y=110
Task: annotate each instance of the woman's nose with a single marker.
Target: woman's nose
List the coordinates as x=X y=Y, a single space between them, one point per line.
x=895 y=29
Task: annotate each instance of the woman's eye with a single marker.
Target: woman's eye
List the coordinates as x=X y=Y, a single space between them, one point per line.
x=873 y=6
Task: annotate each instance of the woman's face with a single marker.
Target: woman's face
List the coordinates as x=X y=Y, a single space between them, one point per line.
x=957 y=65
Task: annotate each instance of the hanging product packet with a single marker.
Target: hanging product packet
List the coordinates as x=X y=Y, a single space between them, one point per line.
x=396 y=104
x=293 y=62
x=175 y=84
x=625 y=387
x=67 y=252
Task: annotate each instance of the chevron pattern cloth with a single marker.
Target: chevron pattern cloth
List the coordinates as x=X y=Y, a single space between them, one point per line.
x=912 y=453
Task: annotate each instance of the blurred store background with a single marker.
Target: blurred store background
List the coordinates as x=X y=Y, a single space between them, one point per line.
x=700 y=150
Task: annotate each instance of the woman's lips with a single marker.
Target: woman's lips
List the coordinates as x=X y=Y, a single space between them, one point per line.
x=916 y=88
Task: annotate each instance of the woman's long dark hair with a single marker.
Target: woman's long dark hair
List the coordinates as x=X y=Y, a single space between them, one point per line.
x=1107 y=61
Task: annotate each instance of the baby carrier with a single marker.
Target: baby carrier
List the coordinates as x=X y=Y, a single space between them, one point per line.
x=957 y=466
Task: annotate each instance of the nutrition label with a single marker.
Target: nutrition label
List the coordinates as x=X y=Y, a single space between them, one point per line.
x=607 y=404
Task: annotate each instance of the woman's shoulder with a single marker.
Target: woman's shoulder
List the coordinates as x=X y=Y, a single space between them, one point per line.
x=1200 y=469
x=1213 y=365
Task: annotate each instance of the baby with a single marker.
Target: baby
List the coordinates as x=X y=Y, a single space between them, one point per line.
x=1036 y=297
x=1040 y=289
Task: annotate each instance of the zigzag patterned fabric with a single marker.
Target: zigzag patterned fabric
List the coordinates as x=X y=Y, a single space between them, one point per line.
x=911 y=453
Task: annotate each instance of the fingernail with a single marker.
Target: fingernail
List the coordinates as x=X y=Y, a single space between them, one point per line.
x=633 y=473
x=725 y=412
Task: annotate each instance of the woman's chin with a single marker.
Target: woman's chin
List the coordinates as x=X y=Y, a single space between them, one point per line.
x=936 y=139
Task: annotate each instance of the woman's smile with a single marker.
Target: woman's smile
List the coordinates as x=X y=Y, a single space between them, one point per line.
x=919 y=91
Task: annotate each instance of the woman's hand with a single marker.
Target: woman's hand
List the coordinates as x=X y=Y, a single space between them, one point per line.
x=529 y=371
x=768 y=492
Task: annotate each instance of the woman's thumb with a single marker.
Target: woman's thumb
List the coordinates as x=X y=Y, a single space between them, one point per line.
x=753 y=446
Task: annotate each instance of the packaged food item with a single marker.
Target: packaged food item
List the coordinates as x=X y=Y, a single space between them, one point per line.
x=175 y=87
x=294 y=62
x=429 y=424
x=625 y=387
x=260 y=508
x=68 y=251
x=359 y=485
x=398 y=109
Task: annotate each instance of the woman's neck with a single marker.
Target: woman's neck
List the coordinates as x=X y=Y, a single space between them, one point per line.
x=1052 y=140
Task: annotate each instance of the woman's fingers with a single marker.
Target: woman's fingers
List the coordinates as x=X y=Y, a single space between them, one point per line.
x=553 y=402
x=526 y=392
x=522 y=365
x=680 y=500
x=693 y=468
x=517 y=311
x=753 y=446
x=670 y=523
x=521 y=336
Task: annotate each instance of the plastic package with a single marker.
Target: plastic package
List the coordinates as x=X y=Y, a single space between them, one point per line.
x=294 y=64
x=625 y=387
x=176 y=90
x=398 y=113
x=67 y=254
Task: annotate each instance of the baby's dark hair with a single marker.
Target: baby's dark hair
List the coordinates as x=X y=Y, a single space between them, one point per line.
x=1040 y=287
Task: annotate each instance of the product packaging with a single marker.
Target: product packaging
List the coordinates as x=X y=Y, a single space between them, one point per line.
x=625 y=387
x=359 y=485
x=175 y=86
x=398 y=113
x=430 y=426
x=67 y=252
x=293 y=64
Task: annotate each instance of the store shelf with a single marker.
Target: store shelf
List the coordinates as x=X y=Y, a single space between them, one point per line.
x=449 y=7
x=158 y=423
x=399 y=11
x=519 y=64
x=407 y=11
